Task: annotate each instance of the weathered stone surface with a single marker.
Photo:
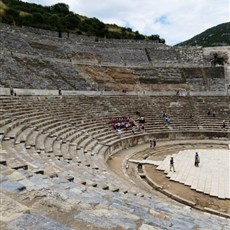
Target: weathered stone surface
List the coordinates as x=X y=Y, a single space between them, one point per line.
x=3 y=178
x=156 y=63
x=148 y=227
x=108 y=218
x=16 y=176
x=35 y=222
x=63 y=205
x=10 y=209
x=12 y=186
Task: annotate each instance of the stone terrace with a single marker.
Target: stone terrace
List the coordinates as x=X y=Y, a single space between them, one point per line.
x=53 y=161
x=33 y=58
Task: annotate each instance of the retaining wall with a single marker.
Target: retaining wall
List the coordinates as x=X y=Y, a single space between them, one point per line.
x=39 y=92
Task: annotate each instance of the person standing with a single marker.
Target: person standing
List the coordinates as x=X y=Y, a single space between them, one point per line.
x=224 y=124
x=154 y=142
x=172 y=165
x=197 y=159
x=151 y=143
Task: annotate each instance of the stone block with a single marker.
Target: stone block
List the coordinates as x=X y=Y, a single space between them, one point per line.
x=12 y=186
x=35 y=222
x=10 y=209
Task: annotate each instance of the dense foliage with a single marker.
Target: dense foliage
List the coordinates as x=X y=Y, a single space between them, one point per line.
x=216 y=36
x=59 y=18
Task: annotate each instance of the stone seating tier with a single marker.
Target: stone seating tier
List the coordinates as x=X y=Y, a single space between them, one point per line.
x=127 y=211
x=47 y=62
x=62 y=158
x=50 y=74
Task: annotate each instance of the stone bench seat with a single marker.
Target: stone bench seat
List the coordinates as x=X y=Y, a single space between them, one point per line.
x=77 y=139
x=4 y=121
x=65 y=151
x=184 y=127
x=49 y=126
x=10 y=126
x=61 y=131
x=66 y=135
x=17 y=164
x=40 y=141
x=45 y=121
x=97 y=149
x=13 y=133
x=73 y=135
x=32 y=138
x=90 y=145
x=1 y=139
x=114 y=136
x=91 y=127
x=23 y=135
x=48 y=145
x=57 y=148
x=97 y=134
x=22 y=156
x=84 y=142
x=58 y=127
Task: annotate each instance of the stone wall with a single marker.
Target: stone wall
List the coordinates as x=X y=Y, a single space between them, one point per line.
x=223 y=51
x=39 y=92
x=34 y=58
x=129 y=52
x=205 y=79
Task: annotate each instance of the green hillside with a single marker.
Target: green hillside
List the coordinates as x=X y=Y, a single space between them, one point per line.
x=59 y=18
x=216 y=36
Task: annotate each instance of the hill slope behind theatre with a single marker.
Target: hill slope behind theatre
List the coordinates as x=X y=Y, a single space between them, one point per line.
x=215 y=36
x=59 y=18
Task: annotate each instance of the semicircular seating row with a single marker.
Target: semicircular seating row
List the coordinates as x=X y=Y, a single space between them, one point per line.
x=65 y=138
x=78 y=127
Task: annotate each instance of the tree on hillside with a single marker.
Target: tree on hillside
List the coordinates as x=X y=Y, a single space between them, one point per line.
x=11 y=16
x=138 y=36
x=56 y=22
x=154 y=37
x=71 y=21
x=59 y=18
x=38 y=18
x=218 y=58
x=60 y=8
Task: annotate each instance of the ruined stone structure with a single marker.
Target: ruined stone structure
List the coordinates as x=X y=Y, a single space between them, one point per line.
x=62 y=164
x=34 y=58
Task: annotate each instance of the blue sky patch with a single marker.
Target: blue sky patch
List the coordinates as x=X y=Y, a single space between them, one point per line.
x=162 y=20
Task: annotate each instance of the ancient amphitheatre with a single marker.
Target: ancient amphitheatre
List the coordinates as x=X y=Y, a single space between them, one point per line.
x=63 y=166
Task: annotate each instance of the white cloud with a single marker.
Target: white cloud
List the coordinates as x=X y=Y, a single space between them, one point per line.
x=173 y=20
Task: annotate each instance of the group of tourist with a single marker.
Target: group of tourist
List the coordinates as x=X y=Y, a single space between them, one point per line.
x=122 y=123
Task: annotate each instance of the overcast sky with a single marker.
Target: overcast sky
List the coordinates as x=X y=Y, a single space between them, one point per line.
x=173 y=20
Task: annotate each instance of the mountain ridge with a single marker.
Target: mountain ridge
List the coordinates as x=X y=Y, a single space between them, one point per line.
x=218 y=35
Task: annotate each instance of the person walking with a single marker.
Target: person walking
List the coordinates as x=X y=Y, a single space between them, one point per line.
x=197 y=159
x=172 y=165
